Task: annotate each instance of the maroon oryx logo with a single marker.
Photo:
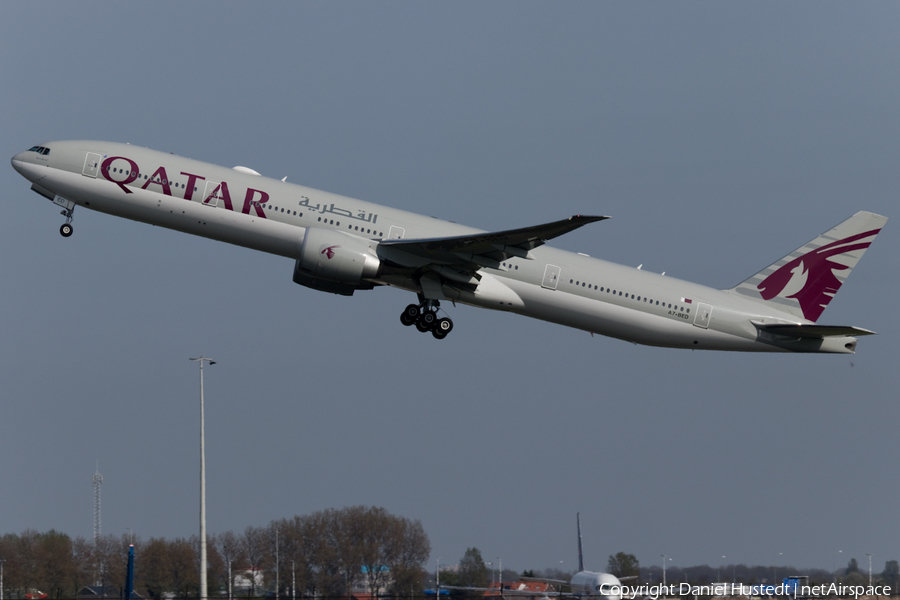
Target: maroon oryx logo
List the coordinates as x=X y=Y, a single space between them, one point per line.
x=810 y=278
x=329 y=252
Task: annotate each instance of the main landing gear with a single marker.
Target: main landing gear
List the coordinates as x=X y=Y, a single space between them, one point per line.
x=424 y=317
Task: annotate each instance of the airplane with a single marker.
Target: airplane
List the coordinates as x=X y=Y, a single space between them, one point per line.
x=341 y=245
x=583 y=584
x=593 y=583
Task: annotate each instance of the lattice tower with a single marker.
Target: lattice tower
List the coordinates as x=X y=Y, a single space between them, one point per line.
x=98 y=480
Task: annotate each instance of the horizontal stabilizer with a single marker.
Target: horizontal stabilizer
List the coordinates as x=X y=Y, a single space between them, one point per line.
x=811 y=330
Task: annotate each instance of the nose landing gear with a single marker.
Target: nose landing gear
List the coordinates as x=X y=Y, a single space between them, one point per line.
x=68 y=211
x=424 y=317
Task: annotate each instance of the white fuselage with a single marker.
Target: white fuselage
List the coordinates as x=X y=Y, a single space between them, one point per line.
x=598 y=585
x=242 y=208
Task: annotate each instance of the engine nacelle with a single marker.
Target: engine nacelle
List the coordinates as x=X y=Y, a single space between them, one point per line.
x=333 y=261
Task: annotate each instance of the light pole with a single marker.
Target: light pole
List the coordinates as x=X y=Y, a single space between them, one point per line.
x=834 y=566
x=664 y=569
x=774 y=571
x=870 y=569
x=203 y=593
x=2 y=560
x=277 y=582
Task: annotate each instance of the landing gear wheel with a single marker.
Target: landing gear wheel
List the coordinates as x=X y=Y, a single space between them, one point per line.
x=428 y=319
x=444 y=326
x=410 y=315
x=65 y=230
x=421 y=326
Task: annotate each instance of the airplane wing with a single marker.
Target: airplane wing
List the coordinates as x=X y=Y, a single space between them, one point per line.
x=471 y=252
x=508 y=590
x=810 y=330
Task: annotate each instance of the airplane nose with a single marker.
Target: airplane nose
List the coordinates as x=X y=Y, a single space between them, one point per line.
x=18 y=161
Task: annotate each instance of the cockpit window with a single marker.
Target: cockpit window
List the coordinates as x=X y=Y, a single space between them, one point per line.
x=40 y=150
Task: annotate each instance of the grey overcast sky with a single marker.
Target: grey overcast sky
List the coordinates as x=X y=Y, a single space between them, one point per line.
x=718 y=136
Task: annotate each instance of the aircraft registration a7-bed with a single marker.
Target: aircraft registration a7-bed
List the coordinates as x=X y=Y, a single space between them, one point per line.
x=341 y=245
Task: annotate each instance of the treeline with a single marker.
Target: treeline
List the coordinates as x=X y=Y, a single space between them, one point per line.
x=755 y=575
x=323 y=554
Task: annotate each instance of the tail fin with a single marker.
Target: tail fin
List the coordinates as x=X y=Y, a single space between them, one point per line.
x=580 y=555
x=804 y=282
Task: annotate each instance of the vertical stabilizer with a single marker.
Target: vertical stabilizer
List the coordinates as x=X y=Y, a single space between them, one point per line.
x=580 y=553
x=804 y=282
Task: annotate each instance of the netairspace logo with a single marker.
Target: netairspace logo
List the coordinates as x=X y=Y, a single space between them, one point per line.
x=738 y=589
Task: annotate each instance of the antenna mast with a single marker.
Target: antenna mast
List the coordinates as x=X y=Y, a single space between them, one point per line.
x=98 y=481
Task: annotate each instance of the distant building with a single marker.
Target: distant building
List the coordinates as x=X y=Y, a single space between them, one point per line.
x=361 y=590
x=524 y=588
x=247 y=578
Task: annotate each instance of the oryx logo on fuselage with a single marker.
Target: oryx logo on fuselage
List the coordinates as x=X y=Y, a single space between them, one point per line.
x=328 y=252
x=810 y=278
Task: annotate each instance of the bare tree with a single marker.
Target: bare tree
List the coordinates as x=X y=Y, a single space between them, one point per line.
x=155 y=572
x=230 y=548
x=255 y=550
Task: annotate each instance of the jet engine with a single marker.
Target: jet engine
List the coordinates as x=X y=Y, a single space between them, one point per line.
x=336 y=262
